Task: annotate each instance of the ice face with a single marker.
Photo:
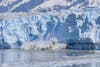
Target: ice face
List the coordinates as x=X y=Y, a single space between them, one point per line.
x=69 y=27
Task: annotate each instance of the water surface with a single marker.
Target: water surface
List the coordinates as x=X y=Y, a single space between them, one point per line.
x=49 y=58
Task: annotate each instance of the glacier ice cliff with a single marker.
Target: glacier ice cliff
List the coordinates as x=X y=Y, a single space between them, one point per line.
x=72 y=27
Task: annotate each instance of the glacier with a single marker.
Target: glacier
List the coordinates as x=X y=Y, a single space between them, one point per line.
x=49 y=33
x=72 y=27
x=75 y=23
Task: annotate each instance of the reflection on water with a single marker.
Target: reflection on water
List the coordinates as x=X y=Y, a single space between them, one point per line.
x=17 y=56
x=86 y=65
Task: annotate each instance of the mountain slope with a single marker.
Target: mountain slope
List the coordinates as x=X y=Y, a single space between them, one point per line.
x=58 y=5
x=45 y=5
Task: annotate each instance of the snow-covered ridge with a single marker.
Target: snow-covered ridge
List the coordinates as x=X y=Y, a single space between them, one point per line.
x=59 y=14
x=46 y=5
x=6 y=2
x=51 y=5
x=22 y=2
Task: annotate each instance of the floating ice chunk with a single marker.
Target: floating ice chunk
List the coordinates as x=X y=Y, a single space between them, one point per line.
x=43 y=45
x=28 y=45
x=38 y=45
x=57 y=46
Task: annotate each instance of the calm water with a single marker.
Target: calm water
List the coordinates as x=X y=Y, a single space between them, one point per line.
x=49 y=58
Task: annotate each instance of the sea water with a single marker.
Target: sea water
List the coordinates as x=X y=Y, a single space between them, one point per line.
x=49 y=58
